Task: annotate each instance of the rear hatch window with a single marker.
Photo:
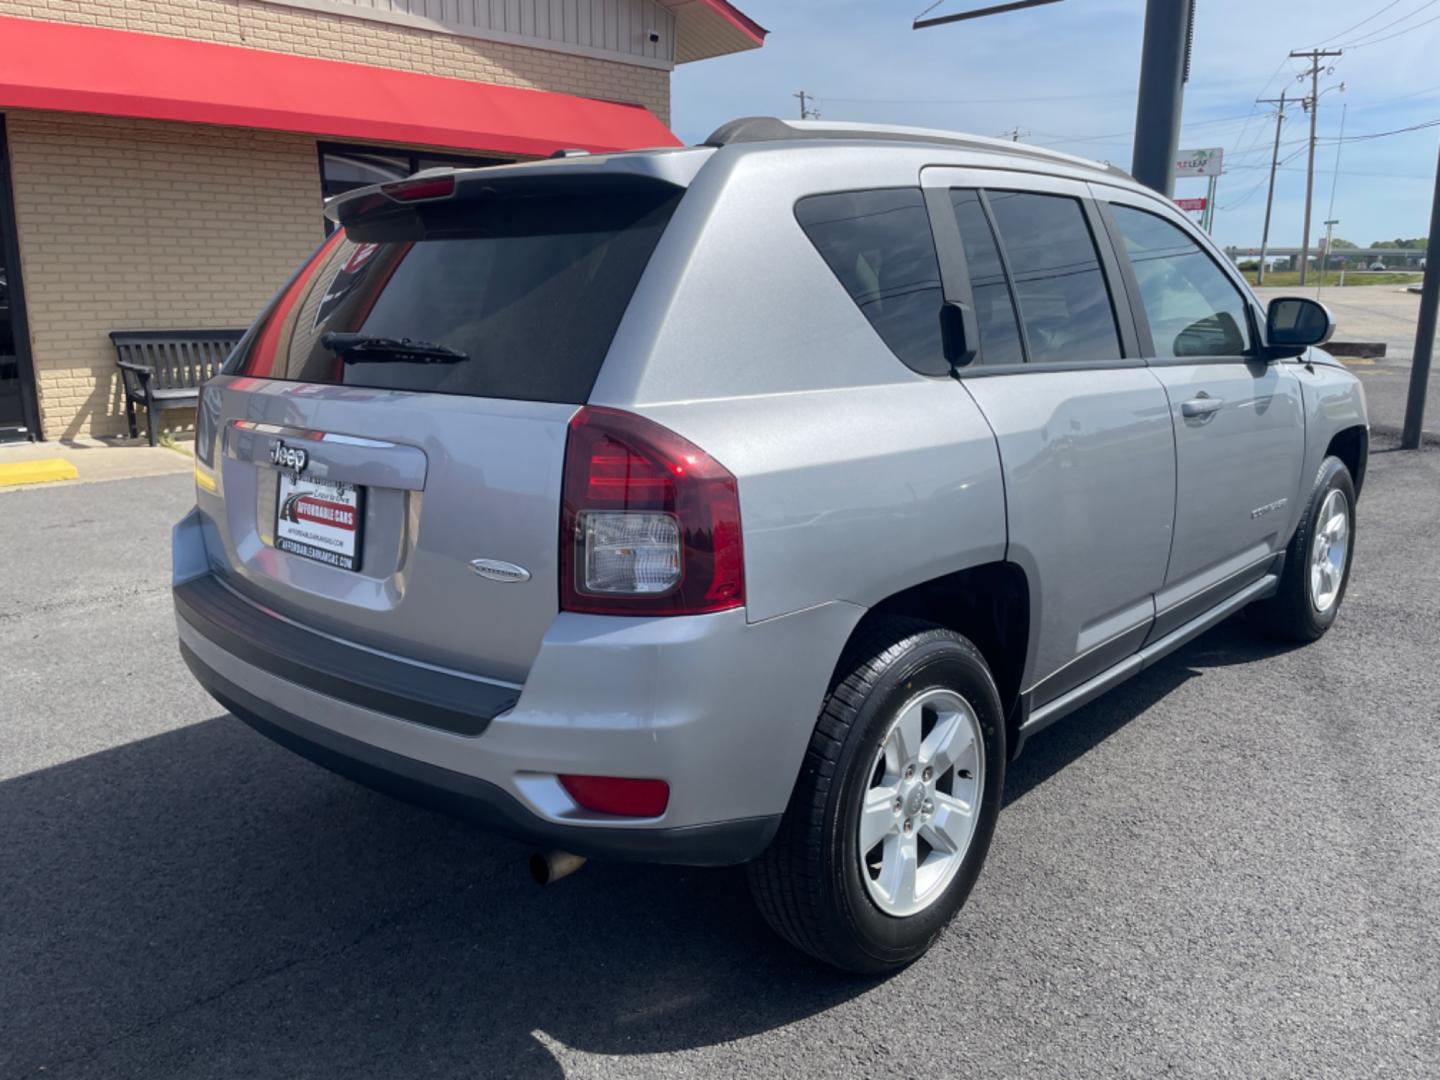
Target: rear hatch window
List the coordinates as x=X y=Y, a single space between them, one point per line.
x=515 y=296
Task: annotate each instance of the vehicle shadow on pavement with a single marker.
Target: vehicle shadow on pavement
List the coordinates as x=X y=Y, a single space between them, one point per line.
x=1233 y=642
x=202 y=903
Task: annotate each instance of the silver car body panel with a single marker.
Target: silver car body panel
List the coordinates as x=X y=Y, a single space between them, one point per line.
x=449 y=479
x=1089 y=467
x=858 y=479
x=604 y=694
x=1334 y=402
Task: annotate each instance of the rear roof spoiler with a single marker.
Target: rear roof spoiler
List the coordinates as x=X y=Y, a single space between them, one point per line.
x=668 y=167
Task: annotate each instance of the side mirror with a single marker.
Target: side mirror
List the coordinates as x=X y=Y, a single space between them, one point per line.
x=1294 y=323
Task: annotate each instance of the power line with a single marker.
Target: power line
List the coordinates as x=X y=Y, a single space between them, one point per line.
x=1261 y=183
x=1342 y=33
x=1343 y=172
x=1400 y=97
x=1383 y=134
x=1054 y=138
x=1393 y=22
x=1240 y=139
x=1398 y=33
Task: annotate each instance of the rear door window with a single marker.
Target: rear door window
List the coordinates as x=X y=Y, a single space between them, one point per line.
x=1059 y=285
x=879 y=245
x=990 y=293
x=522 y=294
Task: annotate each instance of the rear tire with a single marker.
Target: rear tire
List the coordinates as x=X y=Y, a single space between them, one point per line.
x=1317 y=562
x=874 y=912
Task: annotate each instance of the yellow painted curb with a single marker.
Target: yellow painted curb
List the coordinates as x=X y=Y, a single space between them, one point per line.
x=37 y=472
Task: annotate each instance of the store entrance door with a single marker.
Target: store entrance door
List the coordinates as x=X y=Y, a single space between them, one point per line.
x=19 y=417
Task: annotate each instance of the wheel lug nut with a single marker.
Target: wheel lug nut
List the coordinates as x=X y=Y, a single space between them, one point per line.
x=927 y=774
x=909 y=771
x=927 y=808
x=909 y=826
x=898 y=804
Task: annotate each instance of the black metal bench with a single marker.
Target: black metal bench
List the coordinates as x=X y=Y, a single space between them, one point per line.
x=163 y=369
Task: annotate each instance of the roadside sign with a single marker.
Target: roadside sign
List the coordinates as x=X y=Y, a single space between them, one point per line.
x=1199 y=162
x=1195 y=206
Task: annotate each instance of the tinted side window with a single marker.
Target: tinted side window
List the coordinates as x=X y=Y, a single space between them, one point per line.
x=878 y=243
x=1192 y=307
x=994 y=306
x=1058 y=282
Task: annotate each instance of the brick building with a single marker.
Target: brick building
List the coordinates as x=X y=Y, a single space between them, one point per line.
x=163 y=162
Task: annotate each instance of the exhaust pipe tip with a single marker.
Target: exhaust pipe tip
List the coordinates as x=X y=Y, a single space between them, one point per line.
x=548 y=867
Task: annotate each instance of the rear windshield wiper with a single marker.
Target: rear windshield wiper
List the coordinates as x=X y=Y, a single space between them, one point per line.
x=367 y=348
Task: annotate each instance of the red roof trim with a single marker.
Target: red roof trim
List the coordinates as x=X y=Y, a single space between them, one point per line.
x=737 y=18
x=70 y=68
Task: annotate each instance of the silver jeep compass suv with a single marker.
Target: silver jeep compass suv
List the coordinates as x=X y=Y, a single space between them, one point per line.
x=753 y=502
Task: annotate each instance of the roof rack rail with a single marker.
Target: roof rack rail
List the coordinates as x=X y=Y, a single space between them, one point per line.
x=755 y=129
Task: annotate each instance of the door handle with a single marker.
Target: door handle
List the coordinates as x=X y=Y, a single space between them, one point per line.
x=1203 y=405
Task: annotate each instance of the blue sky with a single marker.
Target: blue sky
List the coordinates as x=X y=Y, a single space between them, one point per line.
x=1067 y=73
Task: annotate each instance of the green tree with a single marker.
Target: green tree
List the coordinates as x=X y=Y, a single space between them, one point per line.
x=1339 y=243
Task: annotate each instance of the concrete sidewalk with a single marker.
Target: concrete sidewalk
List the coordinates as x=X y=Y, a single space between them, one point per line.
x=92 y=459
x=1366 y=313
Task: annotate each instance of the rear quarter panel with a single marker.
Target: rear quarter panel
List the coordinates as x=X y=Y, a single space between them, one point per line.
x=858 y=477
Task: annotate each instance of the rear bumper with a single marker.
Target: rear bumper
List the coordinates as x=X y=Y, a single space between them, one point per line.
x=472 y=799
x=719 y=708
x=424 y=695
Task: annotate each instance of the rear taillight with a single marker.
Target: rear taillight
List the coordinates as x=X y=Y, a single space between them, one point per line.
x=649 y=524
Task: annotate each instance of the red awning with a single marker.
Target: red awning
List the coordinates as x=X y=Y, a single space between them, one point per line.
x=119 y=73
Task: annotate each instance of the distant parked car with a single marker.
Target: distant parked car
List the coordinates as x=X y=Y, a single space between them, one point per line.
x=1378 y=264
x=755 y=502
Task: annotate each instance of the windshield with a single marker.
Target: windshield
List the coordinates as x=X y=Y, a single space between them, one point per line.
x=529 y=290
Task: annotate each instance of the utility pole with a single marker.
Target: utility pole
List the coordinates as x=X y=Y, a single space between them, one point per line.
x=1325 y=255
x=1424 y=331
x=807 y=113
x=1164 y=70
x=1270 y=195
x=1312 y=103
x=1330 y=211
x=1207 y=219
x=1014 y=134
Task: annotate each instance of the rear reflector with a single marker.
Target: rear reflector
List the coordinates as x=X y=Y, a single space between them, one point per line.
x=418 y=190
x=619 y=795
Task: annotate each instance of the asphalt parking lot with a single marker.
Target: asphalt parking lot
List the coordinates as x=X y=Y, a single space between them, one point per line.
x=1228 y=867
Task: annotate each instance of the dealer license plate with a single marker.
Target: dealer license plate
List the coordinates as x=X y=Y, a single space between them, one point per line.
x=320 y=520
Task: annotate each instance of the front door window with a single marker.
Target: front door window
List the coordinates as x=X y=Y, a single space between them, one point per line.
x=1192 y=307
